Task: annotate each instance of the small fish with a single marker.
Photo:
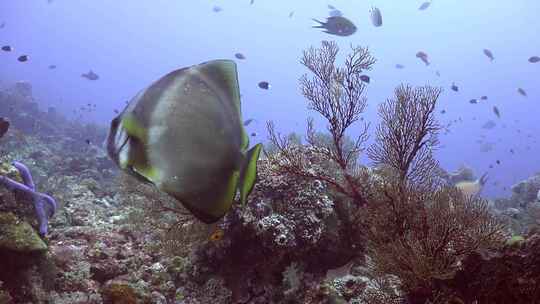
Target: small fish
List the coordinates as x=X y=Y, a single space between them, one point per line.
x=240 y=56
x=339 y=26
x=4 y=126
x=400 y=66
x=438 y=73
x=496 y=111
x=264 y=85
x=522 y=92
x=291 y=14
x=116 y=111
x=7 y=48
x=534 y=59
x=443 y=111
x=376 y=17
x=90 y=75
x=52 y=67
x=424 y=6
x=512 y=151
x=489 y=54
x=88 y=142
x=216 y=235
x=247 y=122
x=253 y=134
x=2 y=25
x=454 y=87
x=423 y=56
x=251 y=2
x=498 y=162
x=472 y=188
x=22 y=58
x=365 y=78
x=484 y=97
x=216 y=9
x=473 y=101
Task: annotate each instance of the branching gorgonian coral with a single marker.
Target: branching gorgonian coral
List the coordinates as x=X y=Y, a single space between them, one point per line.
x=408 y=134
x=418 y=230
x=337 y=93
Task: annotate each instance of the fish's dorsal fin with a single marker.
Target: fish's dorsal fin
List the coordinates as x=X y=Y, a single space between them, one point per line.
x=224 y=75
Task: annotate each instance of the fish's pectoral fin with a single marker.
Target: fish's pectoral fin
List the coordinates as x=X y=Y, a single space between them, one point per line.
x=248 y=172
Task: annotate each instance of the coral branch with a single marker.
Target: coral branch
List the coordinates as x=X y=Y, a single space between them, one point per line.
x=337 y=93
x=408 y=134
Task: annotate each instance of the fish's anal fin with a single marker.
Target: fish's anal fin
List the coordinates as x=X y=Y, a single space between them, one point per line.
x=248 y=173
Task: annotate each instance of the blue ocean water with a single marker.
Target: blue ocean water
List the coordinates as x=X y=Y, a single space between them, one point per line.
x=130 y=44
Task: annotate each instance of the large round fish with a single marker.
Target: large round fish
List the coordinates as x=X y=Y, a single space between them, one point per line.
x=184 y=134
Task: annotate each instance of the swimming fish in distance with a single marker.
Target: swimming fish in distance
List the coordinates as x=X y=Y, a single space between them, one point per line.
x=472 y=188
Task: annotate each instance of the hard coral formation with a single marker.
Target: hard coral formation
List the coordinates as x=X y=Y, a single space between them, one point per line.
x=18 y=236
x=289 y=220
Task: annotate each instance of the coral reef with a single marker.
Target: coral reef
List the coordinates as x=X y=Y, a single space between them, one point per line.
x=318 y=228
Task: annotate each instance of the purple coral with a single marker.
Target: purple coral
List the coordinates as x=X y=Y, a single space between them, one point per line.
x=39 y=199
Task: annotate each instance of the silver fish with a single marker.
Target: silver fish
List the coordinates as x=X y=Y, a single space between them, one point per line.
x=376 y=17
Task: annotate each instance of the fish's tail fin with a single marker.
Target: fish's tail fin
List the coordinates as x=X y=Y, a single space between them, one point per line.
x=321 y=24
x=248 y=172
x=483 y=179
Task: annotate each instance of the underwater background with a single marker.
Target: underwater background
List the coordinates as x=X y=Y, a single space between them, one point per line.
x=130 y=45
